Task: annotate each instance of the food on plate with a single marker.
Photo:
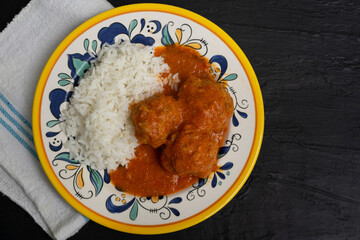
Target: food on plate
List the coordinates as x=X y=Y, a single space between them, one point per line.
x=185 y=129
x=154 y=119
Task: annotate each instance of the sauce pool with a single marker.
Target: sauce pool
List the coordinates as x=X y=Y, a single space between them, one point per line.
x=144 y=175
x=185 y=61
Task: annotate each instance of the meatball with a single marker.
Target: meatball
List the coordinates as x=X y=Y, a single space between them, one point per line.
x=190 y=153
x=211 y=105
x=155 y=118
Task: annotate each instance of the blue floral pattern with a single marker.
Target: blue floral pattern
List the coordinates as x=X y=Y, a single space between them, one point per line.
x=160 y=205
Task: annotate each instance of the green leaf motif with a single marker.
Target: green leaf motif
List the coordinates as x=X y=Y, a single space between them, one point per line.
x=64 y=76
x=86 y=44
x=80 y=66
x=166 y=39
x=63 y=82
x=96 y=180
x=230 y=77
x=94 y=45
x=65 y=156
x=132 y=25
x=52 y=123
x=134 y=211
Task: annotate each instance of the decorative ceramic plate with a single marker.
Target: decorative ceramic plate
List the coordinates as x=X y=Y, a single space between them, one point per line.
x=90 y=191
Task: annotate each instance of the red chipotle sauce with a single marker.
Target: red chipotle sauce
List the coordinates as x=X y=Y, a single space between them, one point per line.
x=144 y=175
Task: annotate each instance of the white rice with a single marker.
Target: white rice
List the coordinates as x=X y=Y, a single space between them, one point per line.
x=172 y=80
x=97 y=121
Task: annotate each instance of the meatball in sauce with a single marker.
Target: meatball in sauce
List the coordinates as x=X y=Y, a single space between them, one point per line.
x=207 y=106
x=191 y=153
x=154 y=118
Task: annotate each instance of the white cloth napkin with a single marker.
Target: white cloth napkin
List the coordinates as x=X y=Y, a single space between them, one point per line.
x=25 y=46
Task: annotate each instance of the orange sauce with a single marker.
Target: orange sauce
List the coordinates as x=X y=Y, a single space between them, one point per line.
x=185 y=61
x=144 y=175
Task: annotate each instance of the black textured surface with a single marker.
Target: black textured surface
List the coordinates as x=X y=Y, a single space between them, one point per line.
x=306 y=55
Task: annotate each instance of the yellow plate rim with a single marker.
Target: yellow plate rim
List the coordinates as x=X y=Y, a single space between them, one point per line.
x=231 y=192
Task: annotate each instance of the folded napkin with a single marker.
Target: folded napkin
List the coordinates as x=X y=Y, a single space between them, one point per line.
x=25 y=46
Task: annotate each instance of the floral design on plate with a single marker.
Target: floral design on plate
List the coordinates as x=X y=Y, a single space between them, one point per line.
x=78 y=63
x=159 y=205
x=75 y=171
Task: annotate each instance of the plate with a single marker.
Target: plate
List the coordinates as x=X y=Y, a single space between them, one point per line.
x=90 y=191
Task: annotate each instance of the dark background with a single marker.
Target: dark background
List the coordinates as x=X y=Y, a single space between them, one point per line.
x=305 y=184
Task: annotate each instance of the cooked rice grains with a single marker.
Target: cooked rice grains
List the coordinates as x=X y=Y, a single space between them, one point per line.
x=97 y=120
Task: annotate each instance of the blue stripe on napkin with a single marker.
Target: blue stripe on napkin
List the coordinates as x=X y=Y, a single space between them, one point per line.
x=11 y=107
x=16 y=124
x=17 y=136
